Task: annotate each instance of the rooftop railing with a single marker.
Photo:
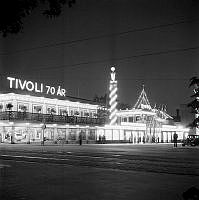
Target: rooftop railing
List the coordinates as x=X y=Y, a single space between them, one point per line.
x=50 y=118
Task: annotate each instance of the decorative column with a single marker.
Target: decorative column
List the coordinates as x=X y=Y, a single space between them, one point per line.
x=197 y=116
x=113 y=98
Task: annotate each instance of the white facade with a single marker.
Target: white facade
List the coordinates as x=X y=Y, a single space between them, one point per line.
x=23 y=122
x=44 y=105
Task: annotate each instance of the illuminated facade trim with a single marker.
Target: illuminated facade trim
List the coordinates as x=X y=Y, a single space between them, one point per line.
x=138 y=125
x=31 y=102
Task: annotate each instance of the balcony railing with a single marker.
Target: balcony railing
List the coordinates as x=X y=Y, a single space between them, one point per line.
x=50 y=118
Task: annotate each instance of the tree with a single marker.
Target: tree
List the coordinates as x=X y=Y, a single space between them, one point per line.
x=194 y=82
x=103 y=113
x=13 y=12
x=123 y=106
x=103 y=100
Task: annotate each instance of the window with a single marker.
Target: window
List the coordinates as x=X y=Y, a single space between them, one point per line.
x=130 y=119
x=37 y=109
x=124 y=119
x=91 y=134
x=86 y=114
x=22 y=107
x=138 y=118
x=95 y=114
x=71 y=112
x=76 y=112
x=63 y=111
x=51 y=110
x=72 y=134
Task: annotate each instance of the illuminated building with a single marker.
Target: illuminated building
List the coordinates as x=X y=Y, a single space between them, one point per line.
x=141 y=124
x=29 y=118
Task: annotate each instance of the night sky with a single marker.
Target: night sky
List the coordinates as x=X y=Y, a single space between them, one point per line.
x=150 y=42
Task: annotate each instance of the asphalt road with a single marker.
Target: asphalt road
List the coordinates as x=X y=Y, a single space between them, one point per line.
x=154 y=171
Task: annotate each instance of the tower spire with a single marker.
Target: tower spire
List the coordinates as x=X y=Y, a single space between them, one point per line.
x=113 y=97
x=143 y=101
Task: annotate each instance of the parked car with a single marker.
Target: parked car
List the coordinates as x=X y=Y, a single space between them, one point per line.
x=192 y=140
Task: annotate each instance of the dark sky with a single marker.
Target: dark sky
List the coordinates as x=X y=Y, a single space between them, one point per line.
x=150 y=42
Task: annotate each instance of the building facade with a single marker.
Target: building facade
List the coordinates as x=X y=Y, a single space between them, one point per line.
x=29 y=119
x=26 y=118
x=144 y=124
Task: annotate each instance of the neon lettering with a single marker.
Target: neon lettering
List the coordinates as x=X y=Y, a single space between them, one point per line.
x=10 y=79
x=34 y=86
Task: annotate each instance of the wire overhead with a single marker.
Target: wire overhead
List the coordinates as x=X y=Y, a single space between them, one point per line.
x=72 y=42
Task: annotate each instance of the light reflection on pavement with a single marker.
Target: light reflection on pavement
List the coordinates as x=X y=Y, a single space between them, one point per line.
x=33 y=172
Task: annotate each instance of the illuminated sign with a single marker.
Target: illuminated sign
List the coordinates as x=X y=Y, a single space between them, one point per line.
x=35 y=87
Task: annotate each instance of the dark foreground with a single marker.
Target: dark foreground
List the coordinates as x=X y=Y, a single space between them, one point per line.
x=92 y=172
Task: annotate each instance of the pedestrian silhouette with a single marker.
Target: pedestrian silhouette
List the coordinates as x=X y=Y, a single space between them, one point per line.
x=80 y=139
x=100 y=139
x=175 y=139
x=103 y=139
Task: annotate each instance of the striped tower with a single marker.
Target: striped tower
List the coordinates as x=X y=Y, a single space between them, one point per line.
x=113 y=98
x=196 y=116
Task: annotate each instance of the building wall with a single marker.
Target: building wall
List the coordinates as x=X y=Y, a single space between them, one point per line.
x=25 y=133
x=53 y=133
x=46 y=105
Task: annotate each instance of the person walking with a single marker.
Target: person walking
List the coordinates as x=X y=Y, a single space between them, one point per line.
x=100 y=139
x=175 y=139
x=103 y=139
x=80 y=139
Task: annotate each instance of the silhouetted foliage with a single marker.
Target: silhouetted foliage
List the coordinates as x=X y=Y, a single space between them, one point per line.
x=102 y=100
x=194 y=104
x=191 y=193
x=123 y=106
x=12 y=12
x=104 y=114
x=9 y=106
x=194 y=82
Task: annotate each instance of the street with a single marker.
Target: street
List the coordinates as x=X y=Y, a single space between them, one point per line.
x=117 y=171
